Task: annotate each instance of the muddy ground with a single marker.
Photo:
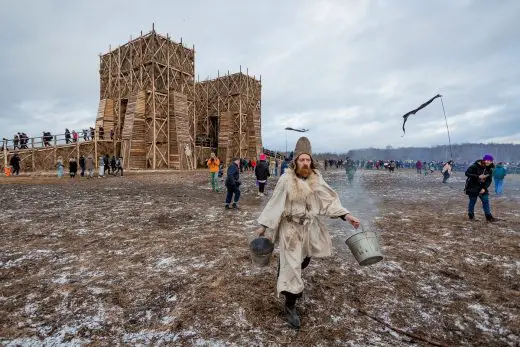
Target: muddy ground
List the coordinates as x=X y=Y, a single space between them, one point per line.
x=153 y=259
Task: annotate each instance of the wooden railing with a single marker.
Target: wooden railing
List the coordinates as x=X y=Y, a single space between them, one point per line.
x=53 y=140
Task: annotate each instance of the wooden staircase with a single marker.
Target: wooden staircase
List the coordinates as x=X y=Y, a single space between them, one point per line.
x=133 y=134
x=179 y=132
x=105 y=117
x=224 y=140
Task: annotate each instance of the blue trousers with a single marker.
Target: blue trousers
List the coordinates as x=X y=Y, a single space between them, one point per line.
x=485 y=203
x=230 y=192
x=499 y=185
x=445 y=175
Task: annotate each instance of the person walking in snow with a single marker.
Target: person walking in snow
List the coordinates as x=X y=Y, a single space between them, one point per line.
x=446 y=171
x=90 y=166
x=350 y=169
x=213 y=164
x=300 y=196
x=59 y=166
x=15 y=164
x=233 y=183
x=73 y=167
x=262 y=173
x=418 y=166
x=479 y=178
x=101 y=167
x=498 y=175
x=82 y=164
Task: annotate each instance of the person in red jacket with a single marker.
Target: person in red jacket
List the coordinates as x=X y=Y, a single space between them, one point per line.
x=418 y=166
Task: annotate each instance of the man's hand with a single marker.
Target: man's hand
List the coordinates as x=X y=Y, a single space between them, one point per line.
x=260 y=231
x=482 y=191
x=352 y=220
x=482 y=177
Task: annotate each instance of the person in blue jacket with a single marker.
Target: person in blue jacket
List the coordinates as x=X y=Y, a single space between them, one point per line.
x=233 y=183
x=499 y=173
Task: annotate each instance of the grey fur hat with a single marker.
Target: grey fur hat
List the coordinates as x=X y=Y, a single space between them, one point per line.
x=303 y=146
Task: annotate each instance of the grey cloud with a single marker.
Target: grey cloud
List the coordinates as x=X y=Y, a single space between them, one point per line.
x=347 y=70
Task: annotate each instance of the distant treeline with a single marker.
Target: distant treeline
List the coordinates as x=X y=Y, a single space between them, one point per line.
x=466 y=152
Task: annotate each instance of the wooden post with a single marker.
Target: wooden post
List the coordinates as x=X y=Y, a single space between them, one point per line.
x=95 y=148
x=153 y=120
x=218 y=122
x=32 y=154
x=240 y=118
x=194 y=153
x=248 y=114
x=5 y=151
x=119 y=130
x=168 y=102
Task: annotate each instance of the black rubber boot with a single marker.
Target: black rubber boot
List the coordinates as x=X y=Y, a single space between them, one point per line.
x=235 y=206
x=290 y=310
x=306 y=262
x=490 y=218
x=471 y=216
x=226 y=207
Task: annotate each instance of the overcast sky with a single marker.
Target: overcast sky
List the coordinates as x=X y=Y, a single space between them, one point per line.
x=346 y=70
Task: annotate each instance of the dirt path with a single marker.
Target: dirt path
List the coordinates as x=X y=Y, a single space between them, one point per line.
x=154 y=259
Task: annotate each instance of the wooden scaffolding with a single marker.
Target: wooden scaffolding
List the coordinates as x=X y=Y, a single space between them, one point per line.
x=228 y=114
x=139 y=80
x=160 y=116
x=155 y=116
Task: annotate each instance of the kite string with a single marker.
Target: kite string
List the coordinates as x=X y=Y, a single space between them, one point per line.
x=447 y=128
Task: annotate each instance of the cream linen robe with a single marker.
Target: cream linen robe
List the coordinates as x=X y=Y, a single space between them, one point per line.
x=296 y=201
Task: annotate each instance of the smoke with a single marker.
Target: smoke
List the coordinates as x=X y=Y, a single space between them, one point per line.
x=355 y=198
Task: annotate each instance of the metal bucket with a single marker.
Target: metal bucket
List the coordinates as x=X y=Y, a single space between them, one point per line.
x=365 y=247
x=261 y=249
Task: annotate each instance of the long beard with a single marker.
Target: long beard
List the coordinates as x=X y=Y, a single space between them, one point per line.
x=303 y=171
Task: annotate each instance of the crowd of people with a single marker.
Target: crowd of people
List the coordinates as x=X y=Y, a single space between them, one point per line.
x=86 y=165
x=21 y=141
x=300 y=178
x=267 y=166
x=263 y=168
x=106 y=166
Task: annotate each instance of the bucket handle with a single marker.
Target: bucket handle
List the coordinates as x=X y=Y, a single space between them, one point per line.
x=363 y=230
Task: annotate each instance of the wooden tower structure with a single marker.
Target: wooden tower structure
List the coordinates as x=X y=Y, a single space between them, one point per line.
x=147 y=97
x=228 y=112
x=161 y=118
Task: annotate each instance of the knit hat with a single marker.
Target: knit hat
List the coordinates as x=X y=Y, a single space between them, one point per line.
x=262 y=156
x=488 y=157
x=303 y=146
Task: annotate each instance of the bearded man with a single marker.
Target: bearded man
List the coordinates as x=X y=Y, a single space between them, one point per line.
x=300 y=196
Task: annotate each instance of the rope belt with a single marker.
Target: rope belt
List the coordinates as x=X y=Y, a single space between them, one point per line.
x=302 y=220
